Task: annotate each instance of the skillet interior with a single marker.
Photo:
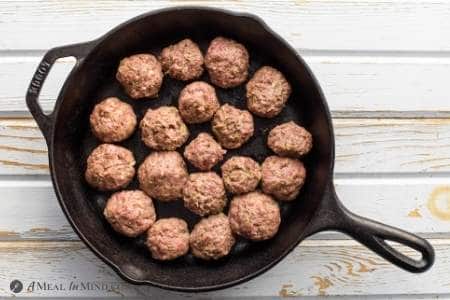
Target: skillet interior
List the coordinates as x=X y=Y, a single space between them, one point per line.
x=94 y=80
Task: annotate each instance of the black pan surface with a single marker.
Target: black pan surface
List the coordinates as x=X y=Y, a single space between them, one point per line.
x=70 y=141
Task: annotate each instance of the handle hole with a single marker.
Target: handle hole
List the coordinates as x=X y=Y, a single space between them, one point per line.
x=54 y=81
x=405 y=250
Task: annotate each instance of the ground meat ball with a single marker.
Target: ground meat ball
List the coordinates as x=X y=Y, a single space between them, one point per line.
x=130 y=212
x=163 y=175
x=168 y=239
x=183 y=60
x=198 y=102
x=163 y=129
x=204 y=152
x=255 y=216
x=204 y=193
x=212 y=238
x=140 y=75
x=267 y=92
x=232 y=126
x=110 y=167
x=112 y=120
x=241 y=174
x=227 y=62
x=289 y=139
x=282 y=177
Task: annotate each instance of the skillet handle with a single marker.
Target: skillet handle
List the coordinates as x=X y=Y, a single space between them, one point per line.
x=44 y=121
x=332 y=215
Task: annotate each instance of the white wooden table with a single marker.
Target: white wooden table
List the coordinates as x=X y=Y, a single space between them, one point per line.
x=385 y=69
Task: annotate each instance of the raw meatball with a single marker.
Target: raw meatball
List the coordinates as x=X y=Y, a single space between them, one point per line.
x=140 y=75
x=212 y=238
x=130 y=212
x=204 y=193
x=267 y=92
x=255 y=216
x=112 y=120
x=232 y=127
x=282 y=177
x=289 y=139
x=183 y=60
x=168 y=239
x=204 y=152
x=163 y=129
x=198 y=102
x=241 y=174
x=163 y=175
x=227 y=62
x=110 y=167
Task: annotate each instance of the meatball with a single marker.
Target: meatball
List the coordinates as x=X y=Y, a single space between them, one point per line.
x=212 y=238
x=267 y=92
x=168 y=239
x=163 y=129
x=198 y=102
x=227 y=62
x=204 y=152
x=183 y=60
x=232 y=126
x=163 y=175
x=140 y=75
x=282 y=177
x=130 y=212
x=255 y=216
x=112 y=120
x=241 y=174
x=110 y=167
x=204 y=193
x=289 y=139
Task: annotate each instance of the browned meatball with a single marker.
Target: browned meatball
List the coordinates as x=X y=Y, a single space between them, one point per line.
x=163 y=175
x=232 y=126
x=267 y=92
x=241 y=174
x=140 y=75
x=183 y=60
x=198 y=102
x=110 y=167
x=212 y=238
x=163 y=129
x=204 y=193
x=112 y=120
x=289 y=139
x=227 y=62
x=168 y=239
x=255 y=216
x=130 y=212
x=282 y=177
x=204 y=152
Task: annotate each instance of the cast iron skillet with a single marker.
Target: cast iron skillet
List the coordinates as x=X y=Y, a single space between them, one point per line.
x=69 y=140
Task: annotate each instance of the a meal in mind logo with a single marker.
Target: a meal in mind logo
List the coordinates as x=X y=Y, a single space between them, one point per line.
x=16 y=286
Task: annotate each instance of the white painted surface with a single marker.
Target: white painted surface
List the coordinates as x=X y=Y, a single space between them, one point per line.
x=350 y=83
x=376 y=61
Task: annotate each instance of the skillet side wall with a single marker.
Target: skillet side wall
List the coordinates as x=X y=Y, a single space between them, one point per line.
x=94 y=79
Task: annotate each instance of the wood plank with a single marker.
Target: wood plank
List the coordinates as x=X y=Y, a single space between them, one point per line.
x=350 y=83
x=415 y=204
x=314 y=268
x=363 y=147
x=338 y=25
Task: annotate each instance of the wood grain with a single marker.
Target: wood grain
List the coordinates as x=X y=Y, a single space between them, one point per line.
x=351 y=83
x=363 y=147
x=415 y=204
x=314 y=268
x=406 y=25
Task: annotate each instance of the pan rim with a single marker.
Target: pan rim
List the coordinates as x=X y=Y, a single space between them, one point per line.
x=96 y=43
